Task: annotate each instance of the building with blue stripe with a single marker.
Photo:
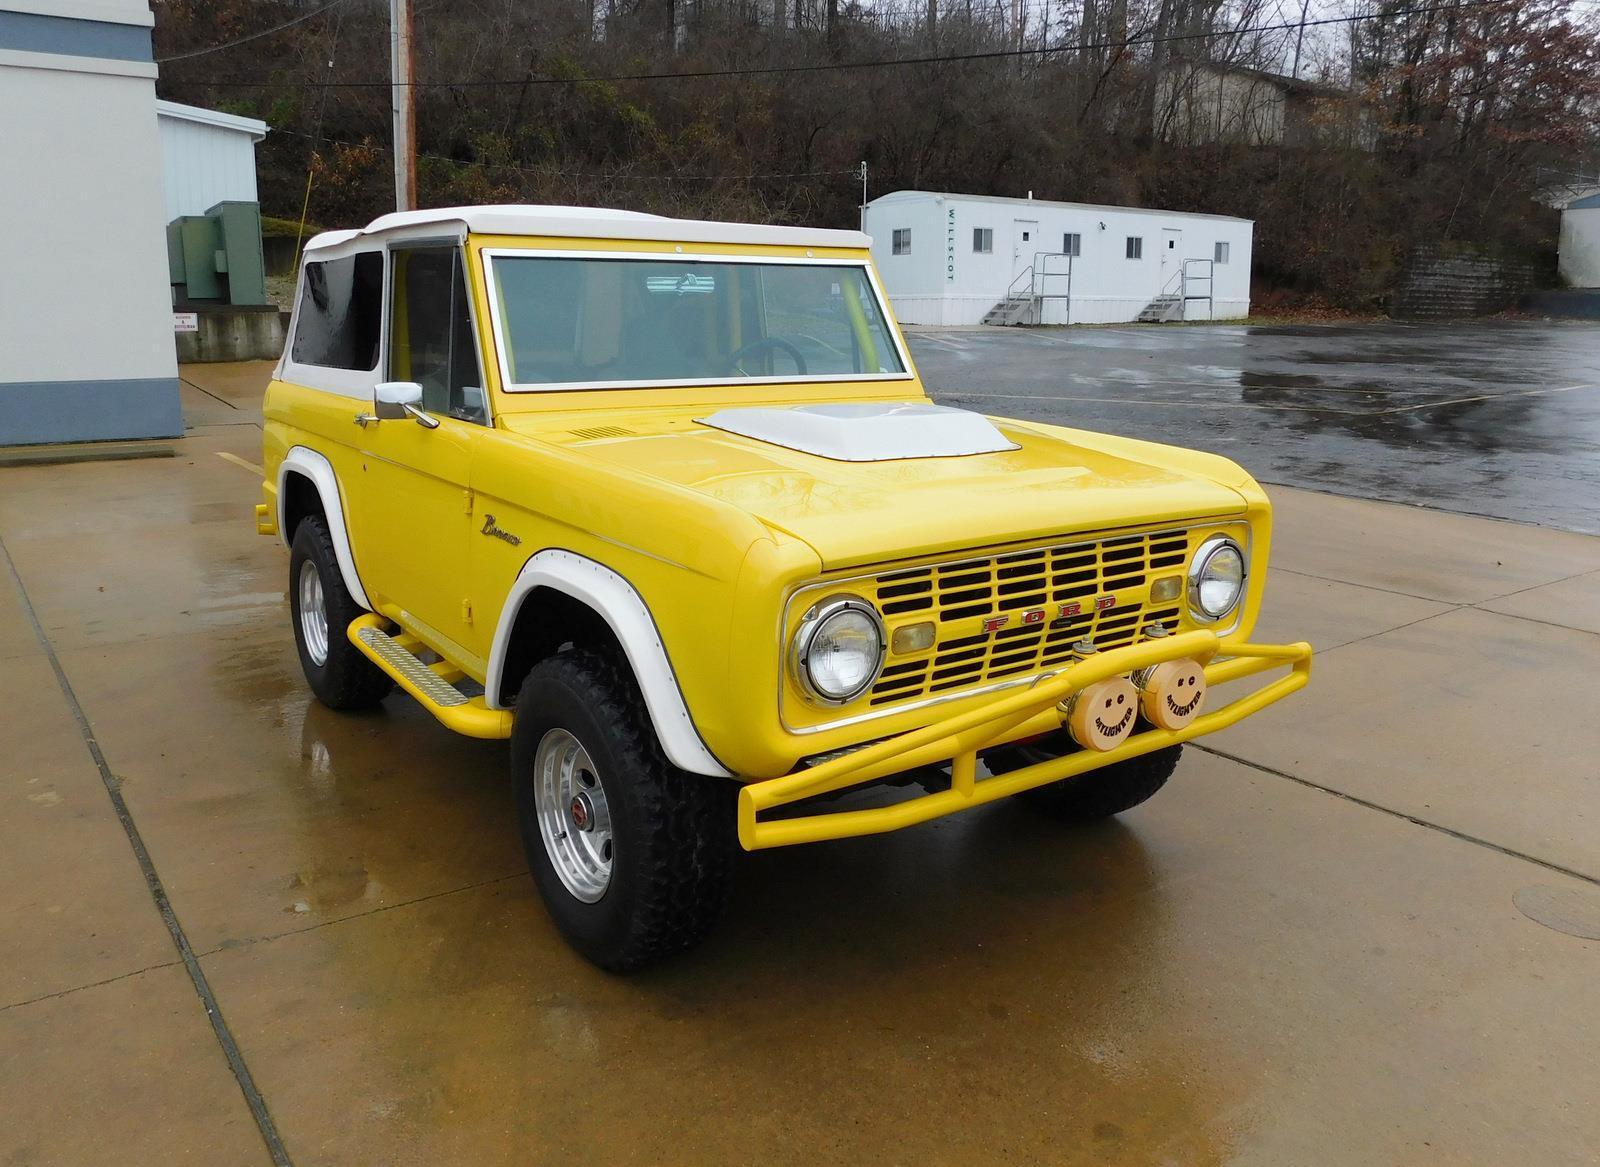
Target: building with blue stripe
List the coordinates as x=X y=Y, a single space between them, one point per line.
x=86 y=342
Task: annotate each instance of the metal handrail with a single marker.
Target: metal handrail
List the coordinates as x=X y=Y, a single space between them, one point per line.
x=1011 y=289
x=1209 y=279
x=1037 y=274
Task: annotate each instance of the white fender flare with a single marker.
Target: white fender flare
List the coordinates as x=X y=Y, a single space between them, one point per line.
x=615 y=599
x=302 y=460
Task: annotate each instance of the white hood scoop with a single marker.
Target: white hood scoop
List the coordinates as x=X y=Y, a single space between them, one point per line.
x=866 y=431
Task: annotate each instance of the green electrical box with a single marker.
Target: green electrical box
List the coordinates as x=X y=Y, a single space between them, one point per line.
x=240 y=227
x=217 y=256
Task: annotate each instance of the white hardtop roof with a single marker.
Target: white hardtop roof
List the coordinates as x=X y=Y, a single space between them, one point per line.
x=256 y=128
x=905 y=195
x=585 y=223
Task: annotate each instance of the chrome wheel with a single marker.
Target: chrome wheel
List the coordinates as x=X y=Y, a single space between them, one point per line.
x=313 y=614
x=574 y=817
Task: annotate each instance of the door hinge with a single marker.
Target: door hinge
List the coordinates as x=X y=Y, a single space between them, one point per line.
x=466 y=611
x=466 y=496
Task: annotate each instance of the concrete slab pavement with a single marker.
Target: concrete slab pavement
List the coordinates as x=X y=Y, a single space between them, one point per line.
x=75 y=910
x=1309 y=952
x=125 y=1072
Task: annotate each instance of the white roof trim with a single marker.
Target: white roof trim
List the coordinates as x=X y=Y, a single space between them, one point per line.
x=591 y=223
x=211 y=117
x=911 y=195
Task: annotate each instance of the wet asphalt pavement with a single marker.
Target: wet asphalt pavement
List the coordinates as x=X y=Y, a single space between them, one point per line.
x=1498 y=418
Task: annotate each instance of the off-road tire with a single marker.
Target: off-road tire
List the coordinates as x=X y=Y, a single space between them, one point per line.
x=1098 y=794
x=673 y=832
x=346 y=680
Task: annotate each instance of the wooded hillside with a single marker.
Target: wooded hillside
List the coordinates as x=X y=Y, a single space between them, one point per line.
x=1412 y=122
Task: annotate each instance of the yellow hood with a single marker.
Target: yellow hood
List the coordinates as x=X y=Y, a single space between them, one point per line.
x=1054 y=483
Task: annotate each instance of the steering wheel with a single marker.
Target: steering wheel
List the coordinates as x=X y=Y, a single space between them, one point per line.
x=766 y=343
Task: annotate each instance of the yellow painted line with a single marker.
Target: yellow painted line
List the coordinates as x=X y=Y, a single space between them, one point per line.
x=238 y=461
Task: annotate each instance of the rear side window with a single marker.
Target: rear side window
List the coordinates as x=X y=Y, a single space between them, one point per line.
x=341 y=313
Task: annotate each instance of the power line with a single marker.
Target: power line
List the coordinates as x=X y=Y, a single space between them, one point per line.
x=887 y=63
x=255 y=36
x=557 y=172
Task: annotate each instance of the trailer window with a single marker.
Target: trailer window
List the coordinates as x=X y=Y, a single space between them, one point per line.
x=1135 y=247
x=902 y=241
x=983 y=240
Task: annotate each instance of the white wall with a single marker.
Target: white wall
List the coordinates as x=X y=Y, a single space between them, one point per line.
x=938 y=284
x=203 y=165
x=920 y=275
x=86 y=340
x=1580 y=247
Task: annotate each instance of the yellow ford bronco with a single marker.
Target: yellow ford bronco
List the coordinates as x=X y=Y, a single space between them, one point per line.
x=664 y=503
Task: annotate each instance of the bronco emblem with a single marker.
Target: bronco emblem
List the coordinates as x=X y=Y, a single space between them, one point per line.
x=496 y=533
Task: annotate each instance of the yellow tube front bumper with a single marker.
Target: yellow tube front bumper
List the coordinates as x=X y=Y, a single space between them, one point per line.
x=1036 y=709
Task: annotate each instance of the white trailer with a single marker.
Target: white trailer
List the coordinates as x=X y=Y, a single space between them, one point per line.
x=973 y=259
x=1580 y=243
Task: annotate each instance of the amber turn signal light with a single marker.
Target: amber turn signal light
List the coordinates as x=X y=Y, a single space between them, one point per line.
x=1166 y=589
x=912 y=638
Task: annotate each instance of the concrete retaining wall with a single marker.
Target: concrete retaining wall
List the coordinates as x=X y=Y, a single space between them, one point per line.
x=233 y=334
x=1444 y=281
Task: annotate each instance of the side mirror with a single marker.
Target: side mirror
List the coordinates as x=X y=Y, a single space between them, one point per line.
x=393 y=400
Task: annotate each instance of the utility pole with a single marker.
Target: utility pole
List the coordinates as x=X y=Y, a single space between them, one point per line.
x=863 y=196
x=401 y=73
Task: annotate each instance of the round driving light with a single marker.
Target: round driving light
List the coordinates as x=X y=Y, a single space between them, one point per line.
x=1101 y=716
x=1216 y=578
x=838 y=649
x=1171 y=693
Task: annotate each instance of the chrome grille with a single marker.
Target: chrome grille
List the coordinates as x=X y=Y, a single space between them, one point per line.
x=959 y=597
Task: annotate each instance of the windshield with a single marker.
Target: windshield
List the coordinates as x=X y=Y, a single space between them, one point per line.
x=598 y=322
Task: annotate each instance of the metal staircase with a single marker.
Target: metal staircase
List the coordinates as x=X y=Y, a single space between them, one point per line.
x=1163 y=308
x=1011 y=310
x=1190 y=283
x=1025 y=299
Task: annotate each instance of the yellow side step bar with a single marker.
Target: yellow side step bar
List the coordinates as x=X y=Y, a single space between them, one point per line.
x=432 y=685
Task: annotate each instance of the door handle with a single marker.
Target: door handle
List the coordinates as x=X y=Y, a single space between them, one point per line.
x=364 y=419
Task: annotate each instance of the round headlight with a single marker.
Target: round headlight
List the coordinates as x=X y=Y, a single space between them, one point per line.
x=1216 y=578
x=838 y=649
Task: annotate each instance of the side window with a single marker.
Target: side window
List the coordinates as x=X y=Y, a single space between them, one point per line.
x=340 y=314
x=430 y=332
x=1220 y=255
x=1072 y=244
x=1135 y=247
x=983 y=240
x=900 y=242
